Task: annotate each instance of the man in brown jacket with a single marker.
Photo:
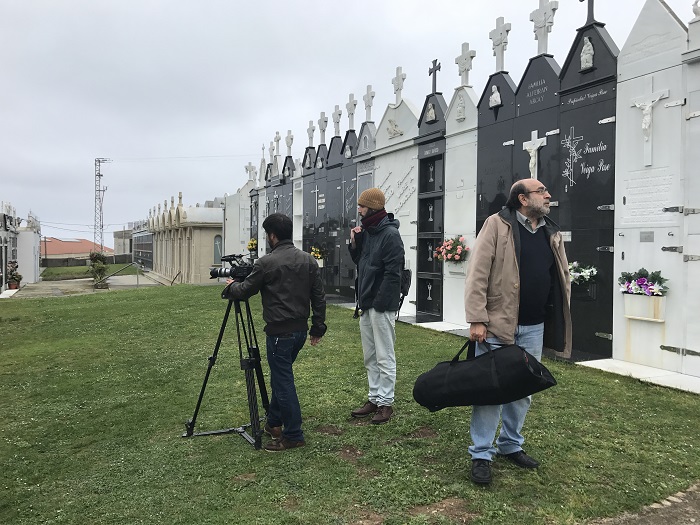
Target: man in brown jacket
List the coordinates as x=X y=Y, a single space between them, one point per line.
x=517 y=291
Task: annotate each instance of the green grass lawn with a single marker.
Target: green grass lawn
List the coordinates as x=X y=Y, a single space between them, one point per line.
x=83 y=272
x=96 y=389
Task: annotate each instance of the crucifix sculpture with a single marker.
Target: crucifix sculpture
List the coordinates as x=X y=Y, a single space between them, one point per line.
x=397 y=82
x=533 y=147
x=432 y=71
x=499 y=36
x=272 y=151
x=464 y=62
x=543 y=19
x=646 y=104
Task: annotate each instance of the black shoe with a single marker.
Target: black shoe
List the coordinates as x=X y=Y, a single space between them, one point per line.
x=521 y=459
x=481 y=471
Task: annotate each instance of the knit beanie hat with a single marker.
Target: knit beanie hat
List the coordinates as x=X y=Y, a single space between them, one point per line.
x=372 y=198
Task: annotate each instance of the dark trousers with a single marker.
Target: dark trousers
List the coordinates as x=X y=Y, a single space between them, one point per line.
x=282 y=351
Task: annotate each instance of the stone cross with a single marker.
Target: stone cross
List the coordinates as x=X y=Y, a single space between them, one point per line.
x=432 y=71
x=322 y=123
x=310 y=131
x=533 y=147
x=591 y=18
x=277 y=142
x=288 y=140
x=646 y=104
x=250 y=170
x=543 y=19
x=336 y=120
x=464 y=63
x=397 y=82
x=350 y=106
x=368 y=98
x=272 y=151
x=499 y=36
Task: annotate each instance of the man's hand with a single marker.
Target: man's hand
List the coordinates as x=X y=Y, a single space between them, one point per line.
x=477 y=332
x=353 y=231
x=314 y=340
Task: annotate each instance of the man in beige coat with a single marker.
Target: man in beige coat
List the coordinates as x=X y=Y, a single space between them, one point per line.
x=517 y=291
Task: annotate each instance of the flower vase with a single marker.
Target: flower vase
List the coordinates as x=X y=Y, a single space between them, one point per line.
x=645 y=308
x=13 y=285
x=584 y=291
x=320 y=263
x=456 y=268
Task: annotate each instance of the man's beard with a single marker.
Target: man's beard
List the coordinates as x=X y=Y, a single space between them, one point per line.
x=540 y=210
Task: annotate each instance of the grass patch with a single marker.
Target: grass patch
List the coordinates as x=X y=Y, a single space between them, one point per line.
x=96 y=389
x=83 y=272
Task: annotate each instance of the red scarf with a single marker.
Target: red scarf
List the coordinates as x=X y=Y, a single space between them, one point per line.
x=374 y=219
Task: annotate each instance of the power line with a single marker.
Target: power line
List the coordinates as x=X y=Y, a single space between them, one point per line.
x=192 y=157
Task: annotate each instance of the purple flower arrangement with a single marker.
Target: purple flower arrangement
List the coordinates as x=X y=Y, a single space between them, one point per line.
x=642 y=282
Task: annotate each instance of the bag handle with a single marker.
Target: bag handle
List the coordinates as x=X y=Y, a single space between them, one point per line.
x=471 y=351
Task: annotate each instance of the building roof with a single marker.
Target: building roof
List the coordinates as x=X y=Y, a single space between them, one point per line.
x=54 y=246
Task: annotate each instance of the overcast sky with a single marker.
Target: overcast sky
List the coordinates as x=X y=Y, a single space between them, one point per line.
x=182 y=94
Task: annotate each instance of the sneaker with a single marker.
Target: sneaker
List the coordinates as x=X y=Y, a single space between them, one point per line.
x=481 y=471
x=521 y=459
x=279 y=445
x=365 y=410
x=273 y=432
x=383 y=415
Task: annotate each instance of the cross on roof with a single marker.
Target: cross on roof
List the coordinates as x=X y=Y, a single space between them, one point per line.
x=369 y=96
x=591 y=17
x=250 y=170
x=277 y=142
x=499 y=36
x=397 y=82
x=350 y=106
x=336 y=120
x=432 y=71
x=464 y=63
x=289 y=139
x=543 y=19
x=322 y=123
x=272 y=151
x=310 y=131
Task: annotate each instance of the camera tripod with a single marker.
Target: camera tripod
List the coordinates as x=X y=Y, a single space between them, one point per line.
x=250 y=365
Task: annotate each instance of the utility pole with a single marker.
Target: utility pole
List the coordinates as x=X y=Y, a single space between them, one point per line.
x=98 y=239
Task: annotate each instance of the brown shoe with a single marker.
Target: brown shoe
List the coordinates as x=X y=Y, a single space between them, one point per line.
x=383 y=415
x=365 y=410
x=283 y=444
x=273 y=432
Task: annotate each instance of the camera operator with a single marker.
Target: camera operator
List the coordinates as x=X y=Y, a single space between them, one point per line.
x=288 y=280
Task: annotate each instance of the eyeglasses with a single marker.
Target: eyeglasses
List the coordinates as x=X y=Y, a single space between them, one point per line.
x=541 y=190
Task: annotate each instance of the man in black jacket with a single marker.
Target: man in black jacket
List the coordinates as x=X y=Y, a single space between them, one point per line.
x=377 y=249
x=288 y=280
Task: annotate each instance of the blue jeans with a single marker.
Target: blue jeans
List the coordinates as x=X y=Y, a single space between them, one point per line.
x=485 y=418
x=377 y=330
x=284 y=409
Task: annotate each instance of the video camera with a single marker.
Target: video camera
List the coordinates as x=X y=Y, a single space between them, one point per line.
x=238 y=271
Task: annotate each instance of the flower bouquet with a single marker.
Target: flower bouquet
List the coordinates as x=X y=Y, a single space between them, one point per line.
x=317 y=253
x=642 y=282
x=452 y=250
x=252 y=245
x=580 y=274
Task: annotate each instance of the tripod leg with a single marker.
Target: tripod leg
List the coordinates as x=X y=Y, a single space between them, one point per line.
x=256 y=431
x=212 y=361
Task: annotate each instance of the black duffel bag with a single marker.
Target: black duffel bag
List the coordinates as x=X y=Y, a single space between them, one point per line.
x=501 y=375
